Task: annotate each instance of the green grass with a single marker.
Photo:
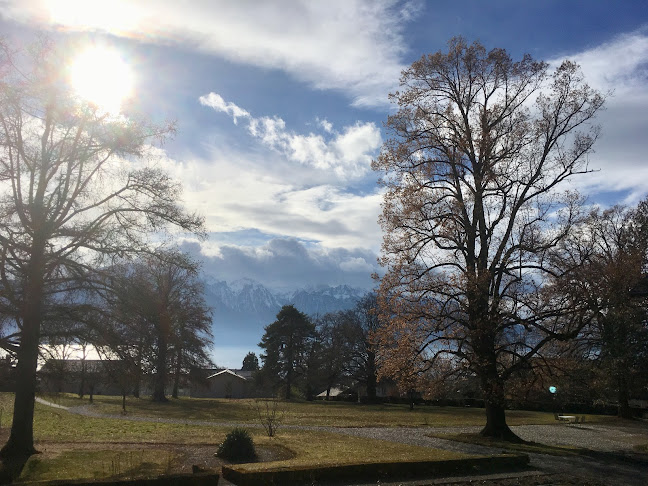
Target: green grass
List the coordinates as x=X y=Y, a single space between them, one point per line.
x=310 y=448
x=332 y=414
x=317 y=448
x=80 y=464
x=6 y=409
x=65 y=432
x=59 y=430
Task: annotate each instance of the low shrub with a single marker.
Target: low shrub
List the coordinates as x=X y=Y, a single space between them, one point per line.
x=237 y=446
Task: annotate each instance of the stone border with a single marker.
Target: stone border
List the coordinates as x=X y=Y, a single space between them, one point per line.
x=241 y=476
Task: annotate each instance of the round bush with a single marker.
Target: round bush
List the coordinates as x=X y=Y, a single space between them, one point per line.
x=237 y=446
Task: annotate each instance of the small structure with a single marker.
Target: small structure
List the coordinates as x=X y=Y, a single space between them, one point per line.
x=335 y=392
x=385 y=389
x=222 y=383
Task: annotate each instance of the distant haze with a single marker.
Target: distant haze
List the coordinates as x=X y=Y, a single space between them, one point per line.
x=241 y=310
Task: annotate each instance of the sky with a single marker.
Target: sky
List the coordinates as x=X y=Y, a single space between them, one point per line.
x=280 y=107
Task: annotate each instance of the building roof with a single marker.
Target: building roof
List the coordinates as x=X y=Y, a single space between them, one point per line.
x=335 y=392
x=77 y=365
x=226 y=372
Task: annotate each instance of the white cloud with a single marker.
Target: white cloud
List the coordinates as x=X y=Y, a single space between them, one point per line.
x=218 y=103
x=347 y=154
x=354 y=46
x=357 y=265
x=621 y=64
x=326 y=125
x=288 y=264
x=621 y=67
x=238 y=191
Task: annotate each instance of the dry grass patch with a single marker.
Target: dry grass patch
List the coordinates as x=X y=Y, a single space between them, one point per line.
x=81 y=464
x=320 y=449
x=319 y=413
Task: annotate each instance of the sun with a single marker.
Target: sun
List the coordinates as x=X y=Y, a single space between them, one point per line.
x=102 y=77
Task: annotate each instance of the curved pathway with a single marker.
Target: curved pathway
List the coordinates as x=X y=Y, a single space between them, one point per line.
x=611 y=460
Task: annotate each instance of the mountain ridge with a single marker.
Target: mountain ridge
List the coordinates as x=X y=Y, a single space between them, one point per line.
x=241 y=309
x=250 y=299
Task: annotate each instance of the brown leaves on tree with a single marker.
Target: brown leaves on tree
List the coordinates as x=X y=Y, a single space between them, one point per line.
x=472 y=215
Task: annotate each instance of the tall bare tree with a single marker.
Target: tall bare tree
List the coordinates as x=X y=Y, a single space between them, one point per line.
x=363 y=321
x=472 y=211
x=156 y=317
x=77 y=187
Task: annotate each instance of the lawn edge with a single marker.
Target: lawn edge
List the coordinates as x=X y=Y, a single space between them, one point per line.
x=241 y=476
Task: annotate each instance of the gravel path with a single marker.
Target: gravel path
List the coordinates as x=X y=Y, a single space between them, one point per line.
x=611 y=461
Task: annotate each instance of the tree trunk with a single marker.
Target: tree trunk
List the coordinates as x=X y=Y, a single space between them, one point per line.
x=328 y=392
x=176 y=380
x=371 y=376
x=288 y=384
x=496 y=426
x=623 y=397
x=160 y=372
x=160 y=376
x=21 y=440
x=138 y=371
x=83 y=377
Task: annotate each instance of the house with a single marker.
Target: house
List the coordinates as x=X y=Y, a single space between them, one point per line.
x=221 y=383
x=336 y=392
x=385 y=389
x=82 y=376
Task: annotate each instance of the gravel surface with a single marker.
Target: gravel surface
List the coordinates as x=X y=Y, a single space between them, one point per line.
x=611 y=462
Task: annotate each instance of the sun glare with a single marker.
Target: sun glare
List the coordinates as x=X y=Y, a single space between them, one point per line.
x=101 y=76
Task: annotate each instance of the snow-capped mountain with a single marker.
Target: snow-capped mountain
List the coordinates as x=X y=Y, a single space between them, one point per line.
x=326 y=299
x=248 y=303
x=241 y=309
x=245 y=295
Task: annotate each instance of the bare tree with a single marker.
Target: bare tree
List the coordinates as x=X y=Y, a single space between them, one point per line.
x=333 y=350
x=472 y=212
x=157 y=316
x=618 y=336
x=363 y=323
x=77 y=187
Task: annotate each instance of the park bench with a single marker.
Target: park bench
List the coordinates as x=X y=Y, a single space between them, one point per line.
x=570 y=419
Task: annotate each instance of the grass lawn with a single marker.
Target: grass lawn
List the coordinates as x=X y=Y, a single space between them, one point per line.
x=76 y=446
x=317 y=448
x=82 y=464
x=309 y=448
x=332 y=414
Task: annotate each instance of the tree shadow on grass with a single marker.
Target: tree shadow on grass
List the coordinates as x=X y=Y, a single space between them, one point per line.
x=11 y=468
x=634 y=457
